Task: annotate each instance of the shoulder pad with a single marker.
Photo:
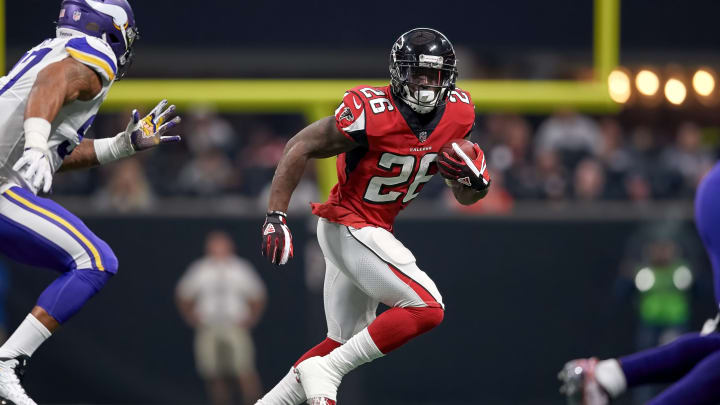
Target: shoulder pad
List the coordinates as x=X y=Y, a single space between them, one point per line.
x=461 y=99
x=350 y=116
x=94 y=53
x=460 y=96
x=368 y=92
x=463 y=110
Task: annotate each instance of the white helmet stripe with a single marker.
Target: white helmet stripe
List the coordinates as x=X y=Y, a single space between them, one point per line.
x=116 y=12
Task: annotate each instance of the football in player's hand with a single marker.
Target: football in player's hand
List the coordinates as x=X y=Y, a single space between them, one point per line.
x=463 y=162
x=464 y=144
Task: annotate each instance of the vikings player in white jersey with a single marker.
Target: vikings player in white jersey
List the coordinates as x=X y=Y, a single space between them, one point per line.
x=47 y=102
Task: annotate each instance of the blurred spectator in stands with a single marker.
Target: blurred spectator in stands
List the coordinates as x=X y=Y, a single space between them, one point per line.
x=490 y=133
x=209 y=173
x=222 y=298
x=661 y=285
x=589 y=181
x=647 y=169
x=497 y=201
x=552 y=175
x=573 y=136
x=207 y=131
x=643 y=147
x=513 y=147
x=79 y=182
x=688 y=158
x=127 y=188
x=259 y=159
x=637 y=188
x=305 y=193
x=512 y=159
x=615 y=157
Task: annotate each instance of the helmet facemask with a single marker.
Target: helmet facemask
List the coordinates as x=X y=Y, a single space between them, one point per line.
x=423 y=84
x=130 y=35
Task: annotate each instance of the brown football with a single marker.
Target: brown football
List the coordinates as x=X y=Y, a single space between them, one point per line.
x=465 y=145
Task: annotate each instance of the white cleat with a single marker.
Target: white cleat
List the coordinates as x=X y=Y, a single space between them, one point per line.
x=319 y=380
x=579 y=383
x=11 y=391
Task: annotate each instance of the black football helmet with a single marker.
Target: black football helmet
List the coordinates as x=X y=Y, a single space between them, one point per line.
x=423 y=69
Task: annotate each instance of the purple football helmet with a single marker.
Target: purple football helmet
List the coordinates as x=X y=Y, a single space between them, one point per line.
x=110 y=20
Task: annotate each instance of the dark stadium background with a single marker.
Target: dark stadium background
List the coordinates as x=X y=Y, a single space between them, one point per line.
x=526 y=288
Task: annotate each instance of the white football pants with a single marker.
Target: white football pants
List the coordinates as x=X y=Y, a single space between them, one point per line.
x=364 y=267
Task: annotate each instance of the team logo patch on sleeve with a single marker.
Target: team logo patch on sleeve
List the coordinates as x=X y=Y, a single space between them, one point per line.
x=347 y=115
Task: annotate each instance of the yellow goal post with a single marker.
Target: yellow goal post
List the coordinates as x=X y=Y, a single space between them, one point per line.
x=318 y=98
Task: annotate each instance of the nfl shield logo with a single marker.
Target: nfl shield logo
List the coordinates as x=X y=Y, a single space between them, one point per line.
x=422 y=136
x=76 y=15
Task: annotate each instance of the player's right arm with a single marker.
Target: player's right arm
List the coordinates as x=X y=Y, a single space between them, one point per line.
x=321 y=139
x=56 y=85
x=138 y=136
x=59 y=84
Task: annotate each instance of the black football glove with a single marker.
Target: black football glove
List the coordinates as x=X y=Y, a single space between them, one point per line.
x=472 y=173
x=276 y=238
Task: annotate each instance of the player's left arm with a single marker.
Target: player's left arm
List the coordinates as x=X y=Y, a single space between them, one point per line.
x=475 y=169
x=466 y=195
x=83 y=156
x=139 y=135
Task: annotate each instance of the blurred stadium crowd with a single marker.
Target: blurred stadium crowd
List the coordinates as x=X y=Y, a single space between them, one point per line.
x=563 y=157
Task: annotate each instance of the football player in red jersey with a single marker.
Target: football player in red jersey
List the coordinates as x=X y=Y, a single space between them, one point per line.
x=387 y=140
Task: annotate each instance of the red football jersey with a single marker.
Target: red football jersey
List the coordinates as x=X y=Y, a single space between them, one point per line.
x=396 y=156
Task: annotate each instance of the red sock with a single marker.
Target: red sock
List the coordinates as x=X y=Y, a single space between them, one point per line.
x=323 y=348
x=394 y=327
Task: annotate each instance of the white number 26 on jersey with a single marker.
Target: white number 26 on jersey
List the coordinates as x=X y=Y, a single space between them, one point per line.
x=375 y=191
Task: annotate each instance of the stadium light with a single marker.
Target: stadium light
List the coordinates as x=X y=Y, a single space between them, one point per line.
x=675 y=91
x=682 y=278
x=619 y=86
x=647 y=82
x=703 y=82
x=644 y=279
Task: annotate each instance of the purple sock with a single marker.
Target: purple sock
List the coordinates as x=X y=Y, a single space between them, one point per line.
x=69 y=292
x=700 y=386
x=670 y=362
